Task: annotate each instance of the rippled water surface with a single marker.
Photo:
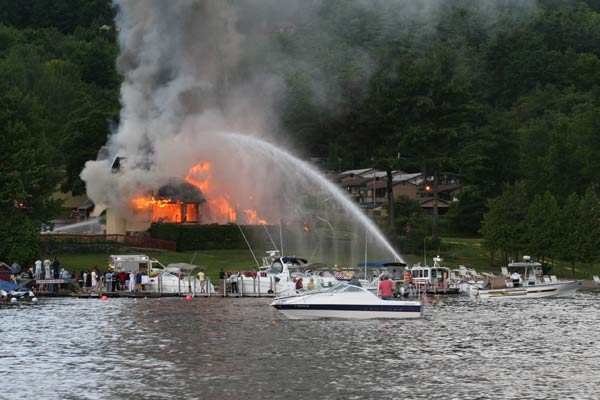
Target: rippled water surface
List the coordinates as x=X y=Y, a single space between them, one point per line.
x=241 y=348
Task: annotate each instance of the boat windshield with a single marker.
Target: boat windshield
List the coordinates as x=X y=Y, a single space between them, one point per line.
x=344 y=287
x=275 y=268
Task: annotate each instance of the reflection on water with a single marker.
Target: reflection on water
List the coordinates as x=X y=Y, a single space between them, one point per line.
x=241 y=348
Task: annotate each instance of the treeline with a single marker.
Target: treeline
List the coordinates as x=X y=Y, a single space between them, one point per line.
x=492 y=92
x=58 y=97
x=542 y=227
x=489 y=92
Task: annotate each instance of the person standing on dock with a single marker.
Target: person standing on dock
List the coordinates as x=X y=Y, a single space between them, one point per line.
x=109 y=280
x=38 y=269
x=234 y=282
x=131 y=281
x=202 y=279
x=15 y=269
x=47 y=265
x=223 y=281
x=386 y=288
x=55 y=274
x=122 y=280
x=138 y=281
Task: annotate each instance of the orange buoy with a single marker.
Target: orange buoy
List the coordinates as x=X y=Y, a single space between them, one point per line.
x=188 y=297
x=104 y=298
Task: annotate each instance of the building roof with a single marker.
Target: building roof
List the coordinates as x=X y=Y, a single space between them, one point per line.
x=428 y=202
x=404 y=177
x=179 y=190
x=374 y=174
x=87 y=205
x=354 y=172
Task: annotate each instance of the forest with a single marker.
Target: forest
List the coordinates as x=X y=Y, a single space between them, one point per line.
x=502 y=95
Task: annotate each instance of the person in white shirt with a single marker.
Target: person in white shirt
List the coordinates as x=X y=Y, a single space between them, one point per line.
x=38 y=269
x=47 y=265
x=516 y=278
x=131 y=281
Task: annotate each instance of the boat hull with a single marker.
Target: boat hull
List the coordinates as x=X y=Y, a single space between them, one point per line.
x=315 y=311
x=560 y=289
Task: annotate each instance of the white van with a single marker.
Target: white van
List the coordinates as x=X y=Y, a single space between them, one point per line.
x=135 y=262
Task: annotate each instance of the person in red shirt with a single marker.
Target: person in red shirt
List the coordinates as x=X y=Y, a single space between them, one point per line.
x=386 y=288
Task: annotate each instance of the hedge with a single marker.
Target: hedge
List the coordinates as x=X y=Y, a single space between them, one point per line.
x=206 y=237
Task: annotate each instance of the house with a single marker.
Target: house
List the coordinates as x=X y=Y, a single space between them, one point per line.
x=368 y=187
x=407 y=185
x=428 y=203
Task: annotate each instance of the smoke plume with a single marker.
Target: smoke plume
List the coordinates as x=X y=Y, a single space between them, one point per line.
x=196 y=70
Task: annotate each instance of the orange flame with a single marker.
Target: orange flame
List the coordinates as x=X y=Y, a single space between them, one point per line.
x=253 y=218
x=162 y=210
x=147 y=202
x=218 y=205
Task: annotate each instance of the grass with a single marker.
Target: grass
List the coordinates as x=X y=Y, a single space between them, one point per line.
x=471 y=253
x=455 y=252
x=229 y=260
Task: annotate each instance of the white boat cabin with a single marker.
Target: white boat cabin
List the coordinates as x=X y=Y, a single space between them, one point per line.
x=530 y=272
x=426 y=276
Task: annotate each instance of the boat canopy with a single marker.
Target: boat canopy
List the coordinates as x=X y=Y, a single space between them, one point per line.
x=523 y=264
x=10 y=286
x=293 y=260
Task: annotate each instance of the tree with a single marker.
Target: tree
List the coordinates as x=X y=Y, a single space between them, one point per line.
x=570 y=218
x=503 y=226
x=411 y=225
x=588 y=229
x=442 y=106
x=28 y=177
x=543 y=227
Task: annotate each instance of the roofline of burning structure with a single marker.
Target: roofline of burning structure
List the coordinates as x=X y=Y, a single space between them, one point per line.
x=180 y=190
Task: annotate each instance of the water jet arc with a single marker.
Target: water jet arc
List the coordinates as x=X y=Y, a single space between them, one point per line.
x=273 y=152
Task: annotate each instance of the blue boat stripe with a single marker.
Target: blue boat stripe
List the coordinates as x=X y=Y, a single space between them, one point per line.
x=348 y=307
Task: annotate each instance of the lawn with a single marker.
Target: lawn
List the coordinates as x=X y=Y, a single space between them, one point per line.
x=229 y=260
x=455 y=252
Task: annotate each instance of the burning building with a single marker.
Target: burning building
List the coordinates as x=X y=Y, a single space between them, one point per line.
x=178 y=201
x=195 y=199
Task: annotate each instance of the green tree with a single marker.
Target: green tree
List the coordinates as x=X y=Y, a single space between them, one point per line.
x=569 y=249
x=588 y=229
x=28 y=176
x=543 y=227
x=411 y=225
x=442 y=106
x=503 y=226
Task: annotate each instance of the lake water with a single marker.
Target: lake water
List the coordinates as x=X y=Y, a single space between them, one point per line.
x=218 y=348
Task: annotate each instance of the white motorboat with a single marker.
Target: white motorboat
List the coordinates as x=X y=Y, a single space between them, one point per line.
x=175 y=283
x=531 y=286
x=277 y=276
x=345 y=301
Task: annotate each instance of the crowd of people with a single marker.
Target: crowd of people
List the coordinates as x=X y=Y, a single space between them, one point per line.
x=48 y=270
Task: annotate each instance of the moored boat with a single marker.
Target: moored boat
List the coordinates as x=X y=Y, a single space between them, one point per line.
x=434 y=280
x=345 y=301
x=530 y=285
x=10 y=291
